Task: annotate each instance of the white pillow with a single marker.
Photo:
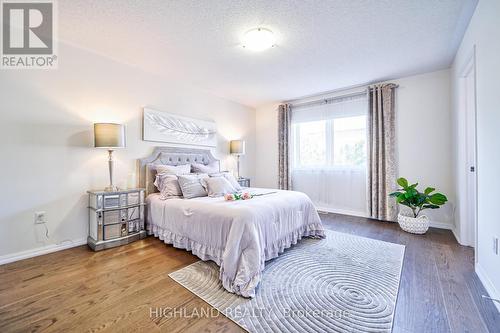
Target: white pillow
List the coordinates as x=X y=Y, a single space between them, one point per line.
x=177 y=170
x=218 y=186
x=208 y=168
x=168 y=185
x=192 y=186
x=229 y=176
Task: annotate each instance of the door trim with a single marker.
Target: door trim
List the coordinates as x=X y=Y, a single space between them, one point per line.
x=465 y=227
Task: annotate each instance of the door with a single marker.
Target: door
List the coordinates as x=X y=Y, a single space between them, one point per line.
x=469 y=107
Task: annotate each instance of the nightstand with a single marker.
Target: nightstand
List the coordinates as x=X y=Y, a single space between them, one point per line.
x=244 y=182
x=115 y=218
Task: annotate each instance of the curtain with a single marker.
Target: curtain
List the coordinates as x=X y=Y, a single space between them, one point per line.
x=328 y=153
x=284 y=120
x=339 y=190
x=382 y=167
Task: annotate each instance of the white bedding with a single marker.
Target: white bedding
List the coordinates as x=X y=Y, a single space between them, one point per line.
x=237 y=235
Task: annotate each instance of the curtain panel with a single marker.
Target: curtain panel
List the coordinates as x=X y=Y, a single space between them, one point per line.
x=284 y=124
x=382 y=164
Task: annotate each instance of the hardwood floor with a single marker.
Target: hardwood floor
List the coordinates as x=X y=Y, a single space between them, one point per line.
x=116 y=290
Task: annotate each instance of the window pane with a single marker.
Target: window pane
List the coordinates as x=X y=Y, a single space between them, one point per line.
x=349 y=141
x=311 y=144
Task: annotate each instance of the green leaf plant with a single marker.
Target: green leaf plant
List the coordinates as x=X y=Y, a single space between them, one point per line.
x=409 y=196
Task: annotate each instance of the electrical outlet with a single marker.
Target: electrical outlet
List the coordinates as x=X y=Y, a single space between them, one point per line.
x=495 y=245
x=40 y=217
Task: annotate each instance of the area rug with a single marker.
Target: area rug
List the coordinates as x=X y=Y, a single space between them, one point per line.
x=343 y=283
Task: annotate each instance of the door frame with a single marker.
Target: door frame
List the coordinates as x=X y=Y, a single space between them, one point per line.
x=468 y=229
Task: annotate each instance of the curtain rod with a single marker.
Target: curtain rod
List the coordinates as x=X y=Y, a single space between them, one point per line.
x=330 y=99
x=366 y=86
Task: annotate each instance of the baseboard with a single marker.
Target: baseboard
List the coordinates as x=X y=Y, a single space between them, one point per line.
x=487 y=284
x=340 y=211
x=41 y=251
x=441 y=225
x=433 y=224
x=459 y=239
x=448 y=226
x=457 y=236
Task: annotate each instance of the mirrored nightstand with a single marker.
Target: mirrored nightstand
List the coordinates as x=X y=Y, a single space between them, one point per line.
x=244 y=182
x=115 y=218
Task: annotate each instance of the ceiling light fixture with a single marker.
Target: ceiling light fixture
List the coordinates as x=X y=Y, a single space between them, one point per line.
x=258 y=39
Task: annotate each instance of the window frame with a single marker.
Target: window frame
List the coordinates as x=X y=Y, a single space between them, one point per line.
x=329 y=146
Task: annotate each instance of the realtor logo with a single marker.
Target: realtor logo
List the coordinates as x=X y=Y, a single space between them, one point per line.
x=28 y=34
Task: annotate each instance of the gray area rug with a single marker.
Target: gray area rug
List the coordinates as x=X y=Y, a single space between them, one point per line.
x=343 y=283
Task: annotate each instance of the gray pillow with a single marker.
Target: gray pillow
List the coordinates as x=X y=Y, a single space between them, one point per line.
x=208 y=168
x=168 y=185
x=182 y=169
x=218 y=186
x=229 y=176
x=192 y=186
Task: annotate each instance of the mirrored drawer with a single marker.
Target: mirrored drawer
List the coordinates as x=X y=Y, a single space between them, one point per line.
x=114 y=216
x=134 y=226
x=133 y=198
x=111 y=201
x=133 y=213
x=123 y=200
x=115 y=231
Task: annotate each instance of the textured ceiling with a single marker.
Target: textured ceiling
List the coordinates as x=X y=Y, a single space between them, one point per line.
x=322 y=44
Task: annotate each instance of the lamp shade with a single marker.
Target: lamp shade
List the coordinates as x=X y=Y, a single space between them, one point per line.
x=108 y=135
x=237 y=147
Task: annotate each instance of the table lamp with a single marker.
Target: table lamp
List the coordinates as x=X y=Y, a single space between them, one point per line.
x=237 y=147
x=109 y=136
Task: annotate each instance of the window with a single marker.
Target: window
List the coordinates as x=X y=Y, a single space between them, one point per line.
x=328 y=153
x=311 y=143
x=349 y=141
x=337 y=141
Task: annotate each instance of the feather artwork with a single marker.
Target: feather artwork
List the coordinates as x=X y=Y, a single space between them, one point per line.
x=179 y=129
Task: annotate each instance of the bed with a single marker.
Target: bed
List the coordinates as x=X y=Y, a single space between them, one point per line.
x=239 y=236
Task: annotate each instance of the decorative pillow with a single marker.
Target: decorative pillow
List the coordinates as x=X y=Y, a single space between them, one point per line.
x=168 y=185
x=218 y=186
x=177 y=170
x=202 y=168
x=192 y=186
x=229 y=176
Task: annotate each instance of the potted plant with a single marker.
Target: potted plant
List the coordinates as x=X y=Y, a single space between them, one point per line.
x=411 y=220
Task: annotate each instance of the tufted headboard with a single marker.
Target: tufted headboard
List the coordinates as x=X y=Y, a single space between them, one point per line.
x=170 y=156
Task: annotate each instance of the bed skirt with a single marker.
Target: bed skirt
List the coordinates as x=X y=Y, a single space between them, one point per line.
x=204 y=252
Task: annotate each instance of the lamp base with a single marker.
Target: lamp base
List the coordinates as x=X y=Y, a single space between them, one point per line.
x=111 y=188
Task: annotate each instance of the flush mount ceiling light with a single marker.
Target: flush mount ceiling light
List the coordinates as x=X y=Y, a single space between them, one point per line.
x=258 y=39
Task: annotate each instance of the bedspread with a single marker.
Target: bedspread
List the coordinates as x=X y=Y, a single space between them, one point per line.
x=239 y=236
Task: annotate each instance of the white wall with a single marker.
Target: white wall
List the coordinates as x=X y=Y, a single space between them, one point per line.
x=48 y=161
x=423 y=134
x=266 y=148
x=483 y=33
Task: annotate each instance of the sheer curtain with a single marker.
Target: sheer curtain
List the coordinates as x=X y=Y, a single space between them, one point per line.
x=328 y=153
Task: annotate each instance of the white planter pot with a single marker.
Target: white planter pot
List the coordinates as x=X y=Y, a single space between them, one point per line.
x=413 y=225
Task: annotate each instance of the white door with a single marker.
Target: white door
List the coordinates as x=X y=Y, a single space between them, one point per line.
x=469 y=100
